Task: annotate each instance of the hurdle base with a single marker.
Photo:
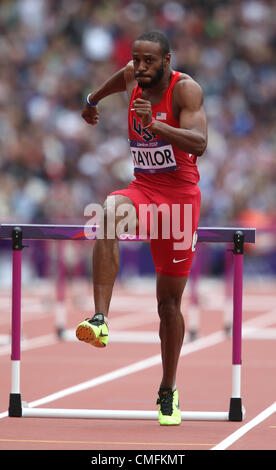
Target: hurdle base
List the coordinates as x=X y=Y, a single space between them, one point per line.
x=15 y=405
x=119 y=414
x=235 y=409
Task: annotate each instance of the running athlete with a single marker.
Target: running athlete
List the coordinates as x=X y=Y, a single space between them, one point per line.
x=167 y=132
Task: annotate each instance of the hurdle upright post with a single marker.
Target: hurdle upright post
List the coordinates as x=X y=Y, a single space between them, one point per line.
x=60 y=291
x=235 y=410
x=15 y=403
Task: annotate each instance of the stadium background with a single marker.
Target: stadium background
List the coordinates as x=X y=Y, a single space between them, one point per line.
x=52 y=164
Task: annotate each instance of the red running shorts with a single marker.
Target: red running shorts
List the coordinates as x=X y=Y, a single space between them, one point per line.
x=173 y=238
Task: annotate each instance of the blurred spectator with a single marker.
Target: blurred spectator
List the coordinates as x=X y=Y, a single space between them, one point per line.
x=54 y=52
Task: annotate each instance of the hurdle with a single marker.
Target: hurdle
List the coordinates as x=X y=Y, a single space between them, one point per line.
x=194 y=304
x=18 y=233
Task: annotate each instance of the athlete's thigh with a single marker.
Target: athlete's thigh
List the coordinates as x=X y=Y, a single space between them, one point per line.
x=138 y=199
x=114 y=201
x=173 y=256
x=120 y=215
x=169 y=261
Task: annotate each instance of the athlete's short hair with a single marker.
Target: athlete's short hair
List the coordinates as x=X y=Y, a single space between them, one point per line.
x=156 y=36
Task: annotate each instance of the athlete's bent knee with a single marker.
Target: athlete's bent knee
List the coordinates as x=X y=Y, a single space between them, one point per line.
x=168 y=308
x=119 y=216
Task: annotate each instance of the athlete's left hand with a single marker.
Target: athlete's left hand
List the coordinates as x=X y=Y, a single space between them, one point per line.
x=143 y=110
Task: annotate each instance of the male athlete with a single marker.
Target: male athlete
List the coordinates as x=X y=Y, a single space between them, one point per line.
x=167 y=132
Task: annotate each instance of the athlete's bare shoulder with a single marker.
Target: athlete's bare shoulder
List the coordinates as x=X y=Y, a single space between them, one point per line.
x=129 y=78
x=187 y=91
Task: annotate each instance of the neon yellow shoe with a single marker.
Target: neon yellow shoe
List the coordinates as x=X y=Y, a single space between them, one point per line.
x=93 y=331
x=169 y=412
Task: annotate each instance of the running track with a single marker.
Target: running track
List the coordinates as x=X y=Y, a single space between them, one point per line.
x=126 y=375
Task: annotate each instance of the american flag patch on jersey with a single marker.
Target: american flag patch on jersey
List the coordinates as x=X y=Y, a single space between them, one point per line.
x=161 y=116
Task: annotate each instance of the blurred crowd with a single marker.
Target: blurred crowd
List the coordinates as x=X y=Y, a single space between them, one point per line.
x=53 y=52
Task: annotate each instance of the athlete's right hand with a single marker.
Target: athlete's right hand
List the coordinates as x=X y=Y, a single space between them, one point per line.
x=90 y=114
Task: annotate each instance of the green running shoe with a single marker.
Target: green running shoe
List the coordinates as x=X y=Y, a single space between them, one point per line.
x=169 y=412
x=93 y=331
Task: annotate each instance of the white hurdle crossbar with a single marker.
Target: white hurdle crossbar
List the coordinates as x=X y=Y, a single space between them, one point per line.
x=119 y=414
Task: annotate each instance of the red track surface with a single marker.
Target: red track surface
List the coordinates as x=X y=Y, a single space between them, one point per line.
x=204 y=376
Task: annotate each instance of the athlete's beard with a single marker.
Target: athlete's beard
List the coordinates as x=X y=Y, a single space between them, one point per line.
x=157 y=77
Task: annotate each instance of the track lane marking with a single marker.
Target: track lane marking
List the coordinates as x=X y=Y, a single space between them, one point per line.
x=44 y=441
x=245 y=428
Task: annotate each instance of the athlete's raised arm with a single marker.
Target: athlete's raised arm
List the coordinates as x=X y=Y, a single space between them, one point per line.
x=123 y=80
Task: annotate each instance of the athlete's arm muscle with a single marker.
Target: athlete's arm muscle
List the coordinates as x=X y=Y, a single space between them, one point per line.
x=192 y=117
x=123 y=80
x=129 y=78
x=191 y=136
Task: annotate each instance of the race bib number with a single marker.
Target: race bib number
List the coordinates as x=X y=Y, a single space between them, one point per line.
x=152 y=157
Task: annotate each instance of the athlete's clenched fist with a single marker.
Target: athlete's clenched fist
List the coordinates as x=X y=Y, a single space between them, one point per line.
x=143 y=110
x=90 y=114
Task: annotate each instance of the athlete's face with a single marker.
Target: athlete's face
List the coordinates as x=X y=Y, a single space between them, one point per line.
x=149 y=63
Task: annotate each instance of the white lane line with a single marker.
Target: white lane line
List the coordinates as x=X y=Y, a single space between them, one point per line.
x=123 y=336
x=259 y=333
x=196 y=345
x=256 y=328
x=32 y=343
x=266 y=319
x=245 y=428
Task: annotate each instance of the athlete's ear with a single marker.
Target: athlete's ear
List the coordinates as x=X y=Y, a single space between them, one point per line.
x=167 y=58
